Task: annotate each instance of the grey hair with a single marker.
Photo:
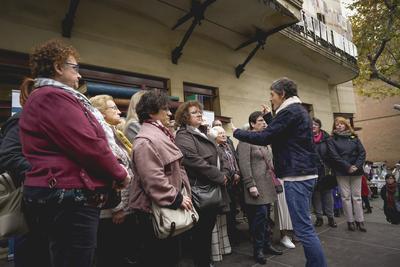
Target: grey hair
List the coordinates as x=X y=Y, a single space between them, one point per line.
x=284 y=86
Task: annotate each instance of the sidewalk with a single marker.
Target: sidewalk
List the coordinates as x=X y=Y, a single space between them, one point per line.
x=379 y=247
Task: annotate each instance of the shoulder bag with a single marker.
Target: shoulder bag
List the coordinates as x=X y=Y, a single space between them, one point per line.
x=169 y=222
x=275 y=181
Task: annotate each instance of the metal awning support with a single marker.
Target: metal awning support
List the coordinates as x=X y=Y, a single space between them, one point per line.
x=260 y=37
x=68 y=21
x=197 y=12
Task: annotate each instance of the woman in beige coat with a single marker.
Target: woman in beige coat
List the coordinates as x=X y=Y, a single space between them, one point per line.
x=259 y=191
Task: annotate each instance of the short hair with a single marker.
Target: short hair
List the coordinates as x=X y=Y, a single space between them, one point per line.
x=215 y=122
x=48 y=54
x=345 y=122
x=253 y=118
x=100 y=102
x=218 y=128
x=182 y=115
x=317 y=121
x=284 y=86
x=151 y=103
x=387 y=176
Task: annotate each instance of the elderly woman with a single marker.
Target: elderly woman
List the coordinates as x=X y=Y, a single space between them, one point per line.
x=73 y=168
x=290 y=136
x=115 y=224
x=348 y=155
x=159 y=178
x=259 y=192
x=132 y=125
x=200 y=158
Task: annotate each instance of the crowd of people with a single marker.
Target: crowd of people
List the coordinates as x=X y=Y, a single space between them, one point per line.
x=90 y=181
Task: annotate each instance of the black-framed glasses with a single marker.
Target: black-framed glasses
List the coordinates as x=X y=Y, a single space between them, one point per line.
x=74 y=66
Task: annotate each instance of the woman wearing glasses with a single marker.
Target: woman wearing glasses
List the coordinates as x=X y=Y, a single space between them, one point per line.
x=73 y=168
x=200 y=158
x=116 y=225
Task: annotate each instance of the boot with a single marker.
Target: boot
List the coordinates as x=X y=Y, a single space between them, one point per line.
x=351 y=226
x=259 y=257
x=369 y=210
x=331 y=222
x=318 y=222
x=361 y=227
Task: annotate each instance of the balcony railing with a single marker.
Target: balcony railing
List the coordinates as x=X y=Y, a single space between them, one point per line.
x=315 y=30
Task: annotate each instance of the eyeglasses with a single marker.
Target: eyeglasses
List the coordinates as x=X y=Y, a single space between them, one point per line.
x=74 y=66
x=113 y=107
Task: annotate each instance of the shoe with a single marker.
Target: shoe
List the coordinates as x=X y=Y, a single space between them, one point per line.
x=287 y=242
x=331 y=222
x=272 y=251
x=351 y=226
x=318 y=222
x=361 y=227
x=259 y=257
x=368 y=210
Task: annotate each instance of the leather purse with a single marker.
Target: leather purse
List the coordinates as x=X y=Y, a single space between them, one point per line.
x=206 y=196
x=12 y=219
x=169 y=222
x=277 y=184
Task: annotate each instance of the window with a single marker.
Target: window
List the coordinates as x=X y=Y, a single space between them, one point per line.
x=206 y=95
x=321 y=17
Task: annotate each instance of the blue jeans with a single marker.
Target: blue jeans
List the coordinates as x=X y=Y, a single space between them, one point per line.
x=298 y=198
x=258 y=215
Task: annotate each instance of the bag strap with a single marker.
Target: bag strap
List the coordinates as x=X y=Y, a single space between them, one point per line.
x=270 y=168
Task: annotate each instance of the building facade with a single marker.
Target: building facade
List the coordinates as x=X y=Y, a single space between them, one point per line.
x=126 y=46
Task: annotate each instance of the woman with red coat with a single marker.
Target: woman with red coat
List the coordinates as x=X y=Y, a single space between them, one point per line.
x=365 y=193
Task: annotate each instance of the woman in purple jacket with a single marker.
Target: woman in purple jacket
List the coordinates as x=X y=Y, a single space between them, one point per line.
x=73 y=167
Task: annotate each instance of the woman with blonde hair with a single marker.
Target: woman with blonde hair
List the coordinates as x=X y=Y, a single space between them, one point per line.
x=132 y=125
x=348 y=155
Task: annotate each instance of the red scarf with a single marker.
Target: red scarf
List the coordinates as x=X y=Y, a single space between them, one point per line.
x=391 y=190
x=165 y=130
x=318 y=137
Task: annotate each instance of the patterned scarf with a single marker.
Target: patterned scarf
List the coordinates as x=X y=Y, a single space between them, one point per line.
x=343 y=133
x=231 y=159
x=164 y=129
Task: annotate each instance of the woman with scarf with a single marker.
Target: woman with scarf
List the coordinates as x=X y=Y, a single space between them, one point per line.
x=322 y=196
x=290 y=135
x=390 y=194
x=116 y=224
x=73 y=168
x=347 y=155
x=159 y=178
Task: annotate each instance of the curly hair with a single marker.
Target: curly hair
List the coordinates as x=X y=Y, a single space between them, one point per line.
x=44 y=56
x=182 y=115
x=151 y=103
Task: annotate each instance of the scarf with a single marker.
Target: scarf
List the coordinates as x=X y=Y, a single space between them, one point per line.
x=390 y=194
x=288 y=102
x=318 y=137
x=117 y=151
x=164 y=129
x=233 y=167
x=346 y=133
x=123 y=140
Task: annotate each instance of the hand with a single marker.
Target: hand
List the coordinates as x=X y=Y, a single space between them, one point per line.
x=233 y=127
x=225 y=180
x=254 y=192
x=265 y=109
x=186 y=203
x=236 y=179
x=352 y=169
x=118 y=185
x=118 y=217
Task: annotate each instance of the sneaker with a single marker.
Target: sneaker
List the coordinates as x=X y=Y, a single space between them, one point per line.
x=287 y=242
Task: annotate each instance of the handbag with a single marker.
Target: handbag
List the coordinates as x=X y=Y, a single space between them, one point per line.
x=277 y=184
x=12 y=219
x=169 y=222
x=206 y=196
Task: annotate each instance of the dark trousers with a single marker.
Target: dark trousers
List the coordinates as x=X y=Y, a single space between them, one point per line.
x=71 y=231
x=365 y=199
x=116 y=242
x=155 y=252
x=202 y=237
x=258 y=222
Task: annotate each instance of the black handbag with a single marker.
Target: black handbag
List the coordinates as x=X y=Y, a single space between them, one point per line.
x=207 y=196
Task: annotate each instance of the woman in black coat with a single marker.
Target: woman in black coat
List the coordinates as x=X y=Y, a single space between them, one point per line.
x=348 y=155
